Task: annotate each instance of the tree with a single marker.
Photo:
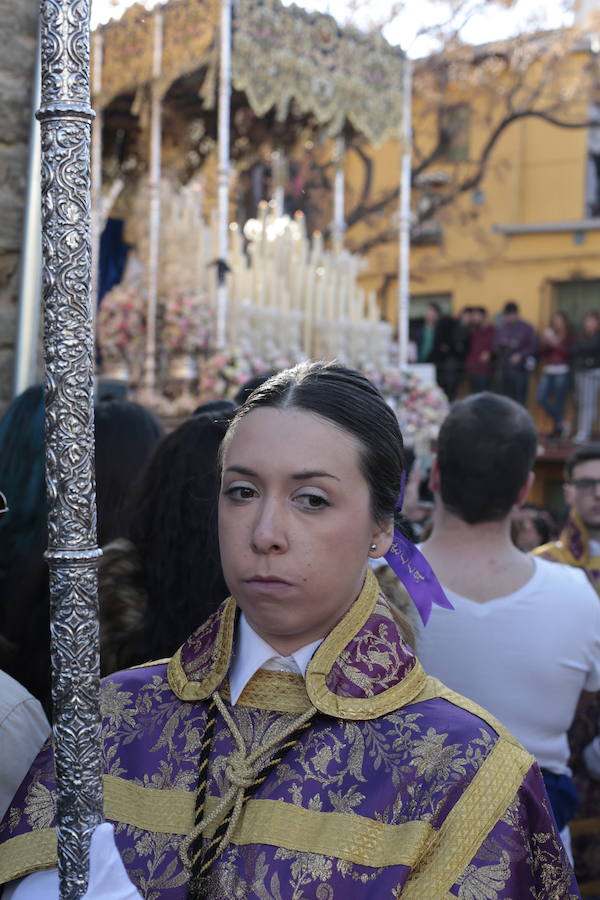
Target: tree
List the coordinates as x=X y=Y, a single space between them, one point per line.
x=478 y=91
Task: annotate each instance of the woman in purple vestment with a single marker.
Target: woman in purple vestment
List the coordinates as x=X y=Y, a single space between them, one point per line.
x=294 y=748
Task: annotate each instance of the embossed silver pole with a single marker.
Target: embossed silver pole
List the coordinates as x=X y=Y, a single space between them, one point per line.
x=148 y=392
x=404 y=217
x=223 y=172
x=65 y=118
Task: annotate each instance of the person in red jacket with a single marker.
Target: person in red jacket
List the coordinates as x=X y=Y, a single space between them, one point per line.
x=555 y=354
x=479 y=357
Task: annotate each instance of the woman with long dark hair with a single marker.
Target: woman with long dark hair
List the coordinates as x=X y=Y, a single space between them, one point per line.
x=163 y=578
x=126 y=434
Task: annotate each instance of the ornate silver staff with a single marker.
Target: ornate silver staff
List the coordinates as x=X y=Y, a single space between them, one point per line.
x=404 y=217
x=65 y=118
x=223 y=171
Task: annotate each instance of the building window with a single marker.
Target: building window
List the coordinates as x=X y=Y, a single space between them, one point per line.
x=454 y=132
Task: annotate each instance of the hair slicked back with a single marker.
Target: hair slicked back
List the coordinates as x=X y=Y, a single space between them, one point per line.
x=351 y=401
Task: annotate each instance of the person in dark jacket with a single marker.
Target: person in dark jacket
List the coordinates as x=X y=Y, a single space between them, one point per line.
x=443 y=341
x=515 y=345
x=479 y=357
x=586 y=361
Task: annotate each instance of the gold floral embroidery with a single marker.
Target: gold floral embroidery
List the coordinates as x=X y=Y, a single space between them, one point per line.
x=485 y=882
x=40 y=806
x=116 y=705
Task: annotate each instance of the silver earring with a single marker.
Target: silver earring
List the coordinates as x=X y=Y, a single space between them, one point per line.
x=373 y=547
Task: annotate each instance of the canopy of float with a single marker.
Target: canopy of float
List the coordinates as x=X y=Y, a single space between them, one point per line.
x=283 y=58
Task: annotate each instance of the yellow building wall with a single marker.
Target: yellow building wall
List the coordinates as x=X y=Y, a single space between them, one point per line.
x=536 y=174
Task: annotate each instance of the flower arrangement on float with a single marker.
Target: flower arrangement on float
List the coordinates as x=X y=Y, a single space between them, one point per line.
x=121 y=327
x=266 y=362
x=222 y=374
x=187 y=324
x=420 y=407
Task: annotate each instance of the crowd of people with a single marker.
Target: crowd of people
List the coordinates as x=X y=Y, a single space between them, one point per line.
x=473 y=354
x=400 y=701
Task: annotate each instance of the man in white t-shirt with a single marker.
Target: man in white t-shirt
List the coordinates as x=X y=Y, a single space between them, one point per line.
x=524 y=637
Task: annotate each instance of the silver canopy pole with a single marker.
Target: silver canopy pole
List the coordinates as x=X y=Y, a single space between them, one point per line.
x=223 y=174
x=147 y=394
x=96 y=167
x=65 y=118
x=338 y=228
x=31 y=255
x=405 y=218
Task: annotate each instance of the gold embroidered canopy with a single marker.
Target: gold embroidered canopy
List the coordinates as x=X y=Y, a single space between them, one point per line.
x=283 y=58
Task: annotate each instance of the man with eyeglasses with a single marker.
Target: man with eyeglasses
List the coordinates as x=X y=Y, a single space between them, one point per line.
x=579 y=541
x=579 y=545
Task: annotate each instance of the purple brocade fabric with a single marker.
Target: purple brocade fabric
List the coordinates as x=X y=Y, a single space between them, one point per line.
x=374 y=660
x=572 y=549
x=428 y=800
x=198 y=652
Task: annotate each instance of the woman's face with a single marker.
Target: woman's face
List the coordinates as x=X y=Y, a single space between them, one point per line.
x=295 y=524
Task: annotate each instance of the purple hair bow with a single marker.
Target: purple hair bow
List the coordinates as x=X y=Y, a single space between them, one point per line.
x=414 y=571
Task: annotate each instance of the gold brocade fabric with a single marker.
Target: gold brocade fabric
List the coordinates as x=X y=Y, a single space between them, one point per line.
x=283 y=54
x=127 y=54
x=189 y=38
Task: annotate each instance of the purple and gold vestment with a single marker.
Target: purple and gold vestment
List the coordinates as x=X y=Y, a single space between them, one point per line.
x=573 y=549
x=399 y=788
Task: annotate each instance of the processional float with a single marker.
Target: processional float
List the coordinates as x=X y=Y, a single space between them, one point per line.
x=68 y=274
x=282 y=61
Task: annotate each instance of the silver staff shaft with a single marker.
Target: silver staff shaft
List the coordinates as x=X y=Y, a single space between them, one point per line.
x=66 y=118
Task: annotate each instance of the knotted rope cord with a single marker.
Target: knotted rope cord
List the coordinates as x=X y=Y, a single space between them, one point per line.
x=240 y=771
x=192 y=846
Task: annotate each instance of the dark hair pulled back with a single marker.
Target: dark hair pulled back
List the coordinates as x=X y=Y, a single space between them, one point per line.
x=349 y=400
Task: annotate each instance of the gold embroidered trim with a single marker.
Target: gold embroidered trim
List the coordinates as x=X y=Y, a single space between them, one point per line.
x=341 y=835
x=276 y=691
x=353 y=838
x=179 y=682
x=329 y=651
x=487 y=798
x=344 y=836
x=27 y=853
x=163 y=811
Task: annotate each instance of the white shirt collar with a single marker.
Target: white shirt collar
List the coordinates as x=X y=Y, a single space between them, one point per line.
x=252 y=653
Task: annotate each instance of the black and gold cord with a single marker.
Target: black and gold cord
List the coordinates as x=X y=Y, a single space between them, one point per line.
x=244 y=784
x=195 y=847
